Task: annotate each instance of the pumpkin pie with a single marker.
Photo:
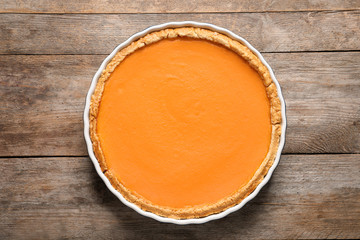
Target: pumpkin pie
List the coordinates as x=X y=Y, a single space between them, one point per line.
x=185 y=122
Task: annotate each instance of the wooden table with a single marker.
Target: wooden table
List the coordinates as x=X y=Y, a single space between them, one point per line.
x=51 y=49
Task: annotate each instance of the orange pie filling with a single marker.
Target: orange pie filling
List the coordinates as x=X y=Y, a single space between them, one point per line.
x=183 y=123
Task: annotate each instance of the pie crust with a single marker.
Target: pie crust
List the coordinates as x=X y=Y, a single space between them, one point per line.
x=275 y=111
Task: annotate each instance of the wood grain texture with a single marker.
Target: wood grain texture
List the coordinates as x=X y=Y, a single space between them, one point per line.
x=171 y=6
x=43 y=101
x=312 y=45
x=309 y=196
x=100 y=33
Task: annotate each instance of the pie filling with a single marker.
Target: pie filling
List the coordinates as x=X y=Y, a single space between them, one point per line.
x=184 y=122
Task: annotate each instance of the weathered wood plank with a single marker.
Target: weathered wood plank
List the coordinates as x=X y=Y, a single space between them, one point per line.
x=309 y=196
x=100 y=33
x=172 y=6
x=43 y=98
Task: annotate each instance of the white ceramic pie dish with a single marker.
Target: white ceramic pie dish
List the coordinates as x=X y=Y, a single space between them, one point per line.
x=96 y=163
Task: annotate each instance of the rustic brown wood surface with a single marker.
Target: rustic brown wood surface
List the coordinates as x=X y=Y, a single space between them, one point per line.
x=44 y=101
x=309 y=196
x=101 y=33
x=49 y=51
x=172 y=6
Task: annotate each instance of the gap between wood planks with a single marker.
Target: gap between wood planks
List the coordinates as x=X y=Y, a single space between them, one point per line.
x=100 y=54
x=198 y=12
x=82 y=156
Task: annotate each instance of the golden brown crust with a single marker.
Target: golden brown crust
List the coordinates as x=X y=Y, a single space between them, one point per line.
x=275 y=110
